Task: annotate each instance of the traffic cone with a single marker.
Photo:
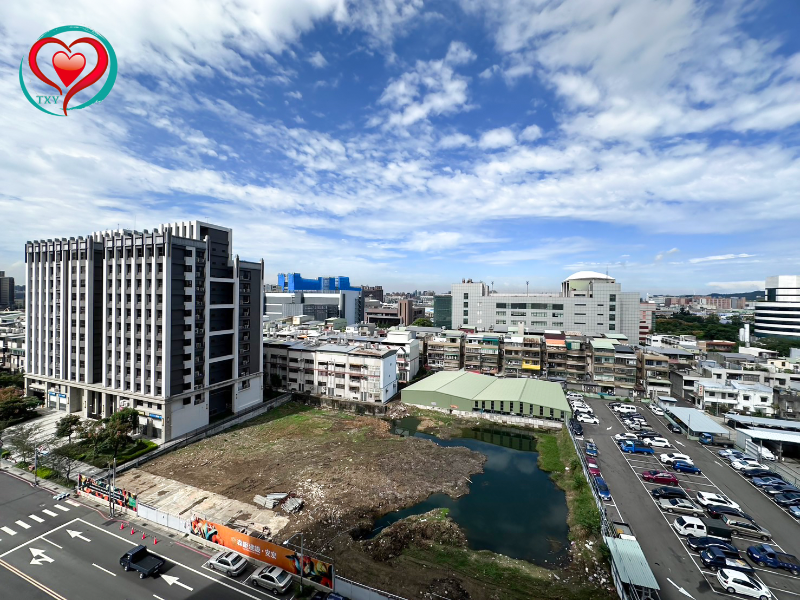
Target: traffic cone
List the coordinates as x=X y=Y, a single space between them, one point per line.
x=121 y=526
x=144 y=535
x=133 y=531
x=155 y=540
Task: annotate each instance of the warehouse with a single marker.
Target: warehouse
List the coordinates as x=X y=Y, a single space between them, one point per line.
x=470 y=392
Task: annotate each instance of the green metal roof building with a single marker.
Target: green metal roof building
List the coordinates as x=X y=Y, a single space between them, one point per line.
x=471 y=392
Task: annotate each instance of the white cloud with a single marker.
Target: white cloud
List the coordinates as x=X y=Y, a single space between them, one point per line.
x=737 y=286
x=531 y=133
x=501 y=137
x=660 y=256
x=577 y=89
x=296 y=95
x=719 y=257
x=317 y=60
x=489 y=72
x=546 y=251
x=455 y=140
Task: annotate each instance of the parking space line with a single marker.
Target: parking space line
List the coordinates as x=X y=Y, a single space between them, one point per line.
x=50 y=513
x=35 y=518
x=62 y=508
x=9 y=531
x=23 y=524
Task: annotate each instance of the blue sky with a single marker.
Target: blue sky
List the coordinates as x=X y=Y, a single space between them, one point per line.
x=412 y=144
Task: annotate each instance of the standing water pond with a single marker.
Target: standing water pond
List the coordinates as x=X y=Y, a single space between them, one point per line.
x=512 y=508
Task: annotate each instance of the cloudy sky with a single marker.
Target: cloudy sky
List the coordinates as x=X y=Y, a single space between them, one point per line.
x=412 y=144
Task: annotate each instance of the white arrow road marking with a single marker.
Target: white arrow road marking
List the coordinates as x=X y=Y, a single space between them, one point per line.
x=608 y=428
x=170 y=580
x=680 y=589
x=106 y=570
x=677 y=442
x=39 y=557
x=77 y=534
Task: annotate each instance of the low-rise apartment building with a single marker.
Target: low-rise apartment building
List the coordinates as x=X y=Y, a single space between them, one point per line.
x=482 y=353
x=654 y=373
x=522 y=355
x=353 y=371
x=720 y=397
x=446 y=350
x=12 y=340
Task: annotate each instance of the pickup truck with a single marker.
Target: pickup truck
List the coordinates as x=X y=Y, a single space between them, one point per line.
x=765 y=555
x=139 y=559
x=635 y=447
x=709 y=439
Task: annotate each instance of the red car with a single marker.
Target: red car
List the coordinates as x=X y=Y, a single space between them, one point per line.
x=660 y=477
x=593 y=468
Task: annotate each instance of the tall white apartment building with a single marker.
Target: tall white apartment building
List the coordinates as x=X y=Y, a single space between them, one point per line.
x=779 y=315
x=354 y=371
x=167 y=322
x=589 y=303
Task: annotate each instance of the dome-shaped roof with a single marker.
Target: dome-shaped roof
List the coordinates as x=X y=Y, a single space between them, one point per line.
x=588 y=275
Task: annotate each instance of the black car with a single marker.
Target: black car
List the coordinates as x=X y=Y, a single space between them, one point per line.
x=787 y=499
x=668 y=491
x=751 y=473
x=780 y=488
x=647 y=433
x=674 y=428
x=717 y=510
x=717 y=558
x=701 y=543
x=576 y=427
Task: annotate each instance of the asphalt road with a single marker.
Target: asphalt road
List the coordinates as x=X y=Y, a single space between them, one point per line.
x=676 y=568
x=74 y=555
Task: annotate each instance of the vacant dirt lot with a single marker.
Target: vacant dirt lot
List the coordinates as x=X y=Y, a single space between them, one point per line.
x=348 y=469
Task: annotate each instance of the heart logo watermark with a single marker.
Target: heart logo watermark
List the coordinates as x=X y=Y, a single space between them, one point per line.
x=69 y=66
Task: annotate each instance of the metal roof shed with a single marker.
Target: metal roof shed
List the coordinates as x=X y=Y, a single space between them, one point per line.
x=764 y=422
x=630 y=567
x=696 y=421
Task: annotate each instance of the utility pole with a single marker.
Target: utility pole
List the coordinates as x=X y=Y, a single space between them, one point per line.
x=35 y=465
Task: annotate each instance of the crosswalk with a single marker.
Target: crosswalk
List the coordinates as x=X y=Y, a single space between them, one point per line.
x=21 y=524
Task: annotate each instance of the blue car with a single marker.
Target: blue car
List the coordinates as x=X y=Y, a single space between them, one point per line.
x=602 y=488
x=684 y=467
x=591 y=449
x=765 y=481
x=794 y=511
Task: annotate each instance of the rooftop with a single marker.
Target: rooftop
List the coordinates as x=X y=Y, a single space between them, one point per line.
x=763 y=421
x=696 y=420
x=630 y=563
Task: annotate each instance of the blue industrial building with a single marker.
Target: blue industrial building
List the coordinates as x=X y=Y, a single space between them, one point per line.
x=294 y=282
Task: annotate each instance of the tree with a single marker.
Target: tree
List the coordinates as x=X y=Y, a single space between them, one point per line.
x=62 y=458
x=14 y=406
x=118 y=428
x=93 y=431
x=12 y=379
x=68 y=426
x=422 y=322
x=22 y=441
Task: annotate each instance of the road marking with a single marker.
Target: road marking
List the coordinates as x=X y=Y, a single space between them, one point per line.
x=174 y=580
x=9 y=531
x=157 y=597
x=680 y=589
x=73 y=503
x=77 y=534
x=677 y=442
x=23 y=524
x=38 y=537
x=38 y=556
x=50 y=513
x=52 y=543
x=35 y=518
x=32 y=581
x=106 y=570
x=62 y=508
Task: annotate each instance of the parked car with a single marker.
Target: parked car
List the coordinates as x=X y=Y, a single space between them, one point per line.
x=708 y=498
x=727 y=452
x=765 y=555
x=602 y=488
x=141 y=560
x=735 y=582
x=787 y=499
x=751 y=472
x=735 y=455
x=271 y=578
x=715 y=511
x=715 y=559
x=624 y=409
x=765 y=481
x=591 y=449
x=673 y=457
x=794 y=510
x=576 y=427
x=613 y=405
x=229 y=562
x=700 y=527
x=684 y=467
x=587 y=418
x=575 y=395
x=701 y=543
x=780 y=488
x=741 y=526
x=594 y=469
x=643 y=433
x=680 y=505
x=654 y=476
x=674 y=428
x=635 y=447
x=656 y=442
x=669 y=492
x=746 y=463
x=656 y=410
x=625 y=436
x=766 y=454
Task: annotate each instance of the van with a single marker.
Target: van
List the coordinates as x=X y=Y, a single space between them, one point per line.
x=625 y=409
x=700 y=527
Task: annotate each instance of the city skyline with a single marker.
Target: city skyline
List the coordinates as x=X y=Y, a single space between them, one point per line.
x=412 y=146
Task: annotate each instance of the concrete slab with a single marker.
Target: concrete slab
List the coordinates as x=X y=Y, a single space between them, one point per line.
x=186 y=501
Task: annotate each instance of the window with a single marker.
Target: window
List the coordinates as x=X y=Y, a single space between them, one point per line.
x=187 y=401
x=466 y=320
x=466 y=313
x=466 y=296
x=466 y=304
x=611 y=327
x=558 y=307
x=612 y=298
x=541 y=411
x=500 y=313
x=500 y=305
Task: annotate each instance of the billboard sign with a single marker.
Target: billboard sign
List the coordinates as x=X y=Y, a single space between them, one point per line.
x=100 y=489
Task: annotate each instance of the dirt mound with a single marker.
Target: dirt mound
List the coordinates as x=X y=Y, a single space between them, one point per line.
x=446 y=588
x=433 y=527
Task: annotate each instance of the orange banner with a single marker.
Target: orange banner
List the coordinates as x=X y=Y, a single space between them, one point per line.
x=287 y=559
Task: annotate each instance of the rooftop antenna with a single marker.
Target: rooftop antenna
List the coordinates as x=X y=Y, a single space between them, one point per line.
x=526 y=287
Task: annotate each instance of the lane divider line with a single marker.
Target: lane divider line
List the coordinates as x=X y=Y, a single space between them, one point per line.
x=32 y=581
x=102 y=569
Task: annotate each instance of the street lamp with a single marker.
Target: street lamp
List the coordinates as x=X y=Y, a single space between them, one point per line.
x=286 y=543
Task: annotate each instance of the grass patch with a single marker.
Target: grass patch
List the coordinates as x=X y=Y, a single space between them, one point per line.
x=82 y=451
x=549 y=453
x=514 y=578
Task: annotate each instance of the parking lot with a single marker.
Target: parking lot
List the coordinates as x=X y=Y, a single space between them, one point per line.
x=679 y=570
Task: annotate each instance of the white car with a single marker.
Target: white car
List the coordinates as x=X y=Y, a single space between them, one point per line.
x=746 y=463
x=577 y=405
x=574 y=396
x=656 y=442
x=587 y=418
x=656 y=411
x=766 y=454
x=672 y=457
x=620 y=437
x=736 y=582
x=707 y=499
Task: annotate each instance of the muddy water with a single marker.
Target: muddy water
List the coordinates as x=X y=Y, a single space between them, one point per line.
x=512 y=508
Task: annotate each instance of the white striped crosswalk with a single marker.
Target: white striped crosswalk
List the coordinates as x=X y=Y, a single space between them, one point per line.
x=37 y=519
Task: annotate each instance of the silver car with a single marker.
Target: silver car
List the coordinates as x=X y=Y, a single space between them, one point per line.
x=229 y=562
x=680 y=505
x=271 y=578
x=744 y=527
